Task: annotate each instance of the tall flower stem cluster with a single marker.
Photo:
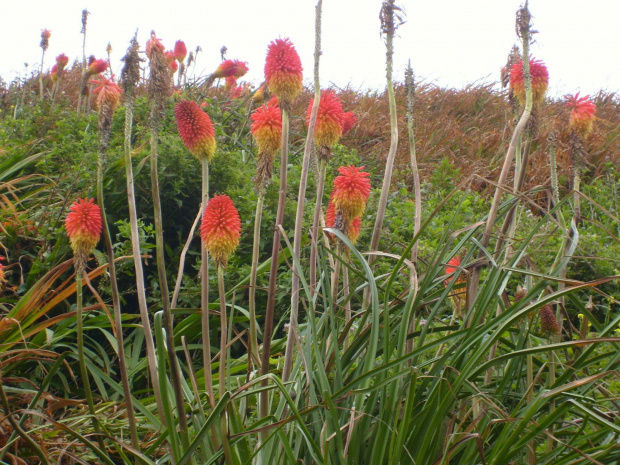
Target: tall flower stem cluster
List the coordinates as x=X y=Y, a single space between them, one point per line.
x=313 y=112
x=85 y=14
x=160 y=83
x=220 y=231
x=57 y=71
x=83 y=225
x=130 y=76
x=283 y=75
x=198 y=134
x=45 y=43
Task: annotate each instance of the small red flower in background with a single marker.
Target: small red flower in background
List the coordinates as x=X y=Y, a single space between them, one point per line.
x=154 y=45
x=46 y=34
x=108 y=93
x=195 y=129
x=231 y=68
x=61 y=61
x=351 y=191
x=330 y=221
x=174 y=66
x=180 y=50
x=329 y=120
x=97 y=67
x=220 y=228
x=581 y=115
x=230 y=83
x=54 y=74
x=83 y=225
x=348 y=121
x=453 y=265
x=283 y=71
x=267 y=128
x=169 y=56
x=540 y=80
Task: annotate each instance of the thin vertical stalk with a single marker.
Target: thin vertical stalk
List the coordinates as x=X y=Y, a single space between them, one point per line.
x=165 y=297
x=253 y=356
x=301 y=197
x=204 y=294
x=222 y=375
x=315 y=224
x=82 y=361
x=135 y=235
x=273 y=271
x=41 y=75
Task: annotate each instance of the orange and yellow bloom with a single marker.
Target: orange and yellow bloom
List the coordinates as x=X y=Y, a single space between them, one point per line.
x=283 y=71
x=108 y=93
x=329 y=120
x=195 y=129
x=540 y=80
x=83 y=225
x=582 y=114
x=231 y=68
x=267 y=127
x=351 y=192
x=220 y=228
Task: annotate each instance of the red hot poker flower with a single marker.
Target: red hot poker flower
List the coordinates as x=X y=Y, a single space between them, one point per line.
x=154 y=44
x=220 y=228
x=283 y=71
x=55 y=74
x=348 y=121
x=267 y=128
x=581 y=115
x=196 y=129
x=330 y=221
x=174 y=66
x=169 y=56
x=351 y=191
x=97 y=67
x=83 y=225
x=61 y=61
x=108 y=93
x=540 y=80
x=329 y=119
x=231 y=68
x=180 y=50
x=453 y=265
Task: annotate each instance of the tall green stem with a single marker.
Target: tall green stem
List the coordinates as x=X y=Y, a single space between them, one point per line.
x=165 y=297
x=253 y=355
x=273 y=271
x=318 y=208
x=204 y=294
x=222 y=374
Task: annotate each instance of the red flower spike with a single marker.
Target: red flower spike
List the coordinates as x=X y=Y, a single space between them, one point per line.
x=97 y=67
x=540 y=80
x=154 y=44
x=180 y=51
x=352 y=189
x=283 y=71
x=195 y=129
x=169 y=56
x=231 y=68
x=83 y=225
x=581 y=115
x=329 y=120
x=348 y=121
x=220 y=228
x=453 y=265
x=108 y=93
x=267 y=128
x=46 y=34
x=62 y=60
x=330 y=221
x=174 y=66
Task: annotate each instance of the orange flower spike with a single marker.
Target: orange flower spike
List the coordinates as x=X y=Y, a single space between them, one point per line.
x=174 y=66
x=330 y=221
x=180 y=51
x=97 y=67
x=352 y=189
x=329 y=119
x=267 y=128
x=540 y=80
x=83 y=225
x=453 y=265
x=283 y=71
x=231 y=68
x=348 y=121
x=220 y=228
x=582 y=114
x=55 y=74
x=61 y=61
x=108 y=93
x=169 y=56
x=195 y=129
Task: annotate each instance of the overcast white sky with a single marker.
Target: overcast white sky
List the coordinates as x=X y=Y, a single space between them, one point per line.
x=450 y=42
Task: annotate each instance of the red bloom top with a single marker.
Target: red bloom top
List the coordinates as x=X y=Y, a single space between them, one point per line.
x=540 y=80
x=220 y=228
x=62 y=60
x=108 y=93
x=267 y=128
x=97 y=67
x=231 y=68
x=351 y=191
x=348 y=121
x=330 y=221
x=581 y=115
x=83 y=225
x=196 y=129
x=283 y=71
x=180 y=50
x=329 y=120
x=154 y=44
x=453 y=265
